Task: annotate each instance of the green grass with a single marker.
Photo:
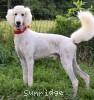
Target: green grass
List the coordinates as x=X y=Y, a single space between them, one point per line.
x=47 y=77
x=43 y=26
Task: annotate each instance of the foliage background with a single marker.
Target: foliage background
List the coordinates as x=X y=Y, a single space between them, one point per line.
x=42 y=9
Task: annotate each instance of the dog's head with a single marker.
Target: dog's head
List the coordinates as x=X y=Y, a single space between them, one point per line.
x=19 y=17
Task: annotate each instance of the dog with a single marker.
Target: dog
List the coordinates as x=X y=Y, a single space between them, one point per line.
x=31 y=45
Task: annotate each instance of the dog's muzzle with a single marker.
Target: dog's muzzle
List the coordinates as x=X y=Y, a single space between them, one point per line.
x=18 y=26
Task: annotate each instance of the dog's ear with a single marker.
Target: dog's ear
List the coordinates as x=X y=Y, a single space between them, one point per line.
x=10 y=17
x=28 y=17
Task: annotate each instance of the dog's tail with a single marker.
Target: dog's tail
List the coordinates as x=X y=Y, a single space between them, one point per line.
x=86 y=32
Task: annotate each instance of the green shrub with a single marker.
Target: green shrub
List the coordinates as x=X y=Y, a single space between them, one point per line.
x=66 y=26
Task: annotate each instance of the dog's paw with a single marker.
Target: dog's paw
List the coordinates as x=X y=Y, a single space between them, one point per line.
x=25 y=80
x=30 y=83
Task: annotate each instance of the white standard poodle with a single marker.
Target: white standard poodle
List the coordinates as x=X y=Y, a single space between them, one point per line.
x=31 y=45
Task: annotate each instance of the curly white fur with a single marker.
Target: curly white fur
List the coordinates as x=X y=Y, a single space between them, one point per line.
x=31 y=45
x=86 y=32
x=19 y=9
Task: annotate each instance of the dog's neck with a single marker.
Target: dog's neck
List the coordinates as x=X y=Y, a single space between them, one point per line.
x=19 y=31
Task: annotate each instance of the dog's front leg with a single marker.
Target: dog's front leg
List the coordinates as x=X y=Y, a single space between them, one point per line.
x=25 y=71
x=24 y=66
x=30 y=64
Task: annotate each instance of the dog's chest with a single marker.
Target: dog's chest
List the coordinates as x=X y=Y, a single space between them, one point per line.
x=19 y=44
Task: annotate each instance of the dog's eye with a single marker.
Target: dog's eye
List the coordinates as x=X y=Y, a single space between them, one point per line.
x=15 y=14
x=22 y=14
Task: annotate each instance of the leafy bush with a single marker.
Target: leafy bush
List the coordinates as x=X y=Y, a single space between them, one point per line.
x=66 y=26
x=78 y=6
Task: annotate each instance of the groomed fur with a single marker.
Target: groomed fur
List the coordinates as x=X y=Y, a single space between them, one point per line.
x=86 y=32
x=17 y=9
x=10 y=17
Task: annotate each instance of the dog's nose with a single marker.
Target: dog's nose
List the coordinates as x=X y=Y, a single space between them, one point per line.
x=18 y=22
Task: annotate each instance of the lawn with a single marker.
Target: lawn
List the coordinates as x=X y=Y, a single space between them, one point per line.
x=48 y=76
x=50 y=80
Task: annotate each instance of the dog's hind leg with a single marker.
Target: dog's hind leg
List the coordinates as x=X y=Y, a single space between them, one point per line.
x=67 y=64
x=82 y=74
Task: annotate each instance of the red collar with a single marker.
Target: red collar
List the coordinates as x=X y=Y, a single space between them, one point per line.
x=20 y=32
